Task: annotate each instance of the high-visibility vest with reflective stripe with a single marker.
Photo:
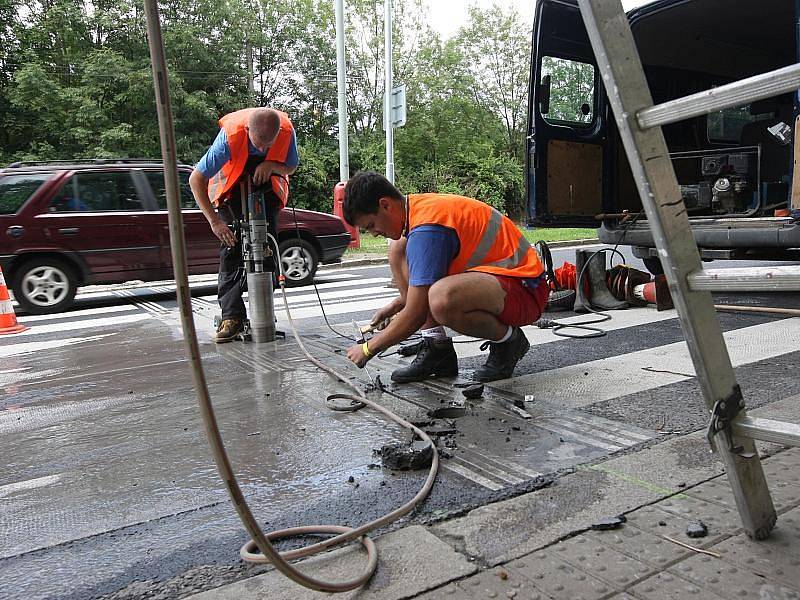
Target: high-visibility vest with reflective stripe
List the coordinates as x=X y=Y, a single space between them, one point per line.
x=489 y=241
x=235 y=126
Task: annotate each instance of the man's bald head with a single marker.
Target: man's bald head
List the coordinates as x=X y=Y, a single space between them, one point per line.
x=263 y=127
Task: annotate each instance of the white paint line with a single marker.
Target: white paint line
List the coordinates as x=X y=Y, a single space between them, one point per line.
x=605 y=379
x=82 y=324
x=28 y=347
x=491 y=470
x=472 y=476
x=517 y=467
x=77 y=313
x=336 y=309
x=631 y=317
x=30 y=484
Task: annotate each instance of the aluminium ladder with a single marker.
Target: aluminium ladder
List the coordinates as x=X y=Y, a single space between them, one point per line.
x=639 y=123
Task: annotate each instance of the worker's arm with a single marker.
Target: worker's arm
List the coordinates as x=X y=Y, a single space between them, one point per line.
x=407 y=321
x=267 y=168
x=199 y=184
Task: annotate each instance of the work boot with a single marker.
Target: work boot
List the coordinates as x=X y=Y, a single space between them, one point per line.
x=228 y=329
x=435 y=358
x=599 y=296
x=503 y=358
x=581 y=277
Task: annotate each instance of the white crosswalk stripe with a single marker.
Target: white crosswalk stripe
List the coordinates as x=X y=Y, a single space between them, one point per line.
x=573 y=387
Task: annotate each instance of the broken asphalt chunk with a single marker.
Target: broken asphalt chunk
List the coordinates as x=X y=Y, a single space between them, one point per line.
x=696 y=529
x=609 y=523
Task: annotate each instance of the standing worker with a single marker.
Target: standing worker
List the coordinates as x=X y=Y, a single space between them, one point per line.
x=458 y=263
x=257 y=142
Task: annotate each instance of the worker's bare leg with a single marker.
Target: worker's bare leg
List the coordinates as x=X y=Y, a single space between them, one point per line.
x=469 y=303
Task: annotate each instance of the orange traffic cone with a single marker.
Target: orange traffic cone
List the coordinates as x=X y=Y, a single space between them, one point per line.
x=656 y=292
x=8 y=320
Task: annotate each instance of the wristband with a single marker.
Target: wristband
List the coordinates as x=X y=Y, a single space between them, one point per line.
x=365 y=350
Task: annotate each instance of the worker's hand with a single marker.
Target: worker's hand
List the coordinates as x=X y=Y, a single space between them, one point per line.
x=263 y=171
x=382 y=317
x=357 y=356
x=223 y=232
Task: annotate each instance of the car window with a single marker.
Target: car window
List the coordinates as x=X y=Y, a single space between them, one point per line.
x=571 y=93
x=156 y=179
x=97 y=192
x=16 y=189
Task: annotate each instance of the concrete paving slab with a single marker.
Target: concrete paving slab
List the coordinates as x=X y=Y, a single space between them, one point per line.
x=558 y=578
x=499 y=582
x=642 y=545
x=666 y=586
x=730 y=581
x=506 y=530
x=587 y=553
x=411 y=561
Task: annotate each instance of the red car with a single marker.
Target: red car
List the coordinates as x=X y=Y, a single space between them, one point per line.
x=63 y=225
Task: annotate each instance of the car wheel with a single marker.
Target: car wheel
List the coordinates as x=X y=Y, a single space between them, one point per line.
x=653 y=265
x=299 y=262
x=44 y=285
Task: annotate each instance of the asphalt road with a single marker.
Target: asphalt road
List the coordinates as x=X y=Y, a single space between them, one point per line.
x=108 y=490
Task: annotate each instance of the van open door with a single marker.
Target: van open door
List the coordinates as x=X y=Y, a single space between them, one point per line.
x=567 y=154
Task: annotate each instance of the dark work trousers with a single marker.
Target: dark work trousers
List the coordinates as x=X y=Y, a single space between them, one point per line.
x=232 y=279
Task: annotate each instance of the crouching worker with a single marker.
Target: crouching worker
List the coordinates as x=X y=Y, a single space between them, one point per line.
x=458 y=263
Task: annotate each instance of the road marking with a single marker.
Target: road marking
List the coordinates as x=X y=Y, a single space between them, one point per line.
x=472 y=475
x=30 y=484
x=28 y=347
x=76 y=313
x=596 y=381
x=623 y=319
x=72 y=326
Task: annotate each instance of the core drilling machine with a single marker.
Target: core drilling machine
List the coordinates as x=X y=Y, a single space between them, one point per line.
x=257 y=249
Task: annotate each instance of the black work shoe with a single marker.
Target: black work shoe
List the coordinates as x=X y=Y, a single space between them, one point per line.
x=503 y=358
x=228 y=330
x=435 y=358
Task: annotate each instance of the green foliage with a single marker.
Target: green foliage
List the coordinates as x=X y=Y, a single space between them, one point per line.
x=76 y=82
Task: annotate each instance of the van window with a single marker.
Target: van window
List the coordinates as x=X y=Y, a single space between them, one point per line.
x=16 y=189
x=726 y=125
x=572 y=91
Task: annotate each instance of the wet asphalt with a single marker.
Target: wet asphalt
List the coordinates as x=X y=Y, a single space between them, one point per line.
x=109 y=490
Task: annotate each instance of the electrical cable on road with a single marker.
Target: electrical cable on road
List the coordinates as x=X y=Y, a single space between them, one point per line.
x=178 y=246
x=593 y=332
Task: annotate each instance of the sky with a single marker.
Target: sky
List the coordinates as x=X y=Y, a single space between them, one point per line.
x=446 y=16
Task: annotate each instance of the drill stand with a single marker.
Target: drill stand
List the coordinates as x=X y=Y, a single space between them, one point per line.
x=256 y=252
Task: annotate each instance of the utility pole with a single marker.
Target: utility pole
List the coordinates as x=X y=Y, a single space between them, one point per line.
x=387 y=96
x=341 y=84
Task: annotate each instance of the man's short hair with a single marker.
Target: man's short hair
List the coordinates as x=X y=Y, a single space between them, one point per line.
x=363 y=192
x=264 y=125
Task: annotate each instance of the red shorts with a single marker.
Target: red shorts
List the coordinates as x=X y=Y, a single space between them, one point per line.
x=524 y=305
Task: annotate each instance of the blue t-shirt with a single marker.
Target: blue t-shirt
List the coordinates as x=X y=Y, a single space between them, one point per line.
x=431 y=249
x=429 y=252
x=219 y=153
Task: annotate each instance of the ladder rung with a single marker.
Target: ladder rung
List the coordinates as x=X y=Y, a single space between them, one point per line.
x=737 y=93
x=767 y=430
x=747 y=279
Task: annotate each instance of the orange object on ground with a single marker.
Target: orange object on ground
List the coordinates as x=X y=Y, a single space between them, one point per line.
x=8 y=320
x=565 y=276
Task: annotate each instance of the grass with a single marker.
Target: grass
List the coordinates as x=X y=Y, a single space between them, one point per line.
x=373 y=245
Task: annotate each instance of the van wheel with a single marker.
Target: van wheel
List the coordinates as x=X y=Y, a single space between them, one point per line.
x=44 y=285
x=299 y=261
x=653 y=265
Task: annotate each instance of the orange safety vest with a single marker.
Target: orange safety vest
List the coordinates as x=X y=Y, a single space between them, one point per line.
x=490 y=242
x=235 y=126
